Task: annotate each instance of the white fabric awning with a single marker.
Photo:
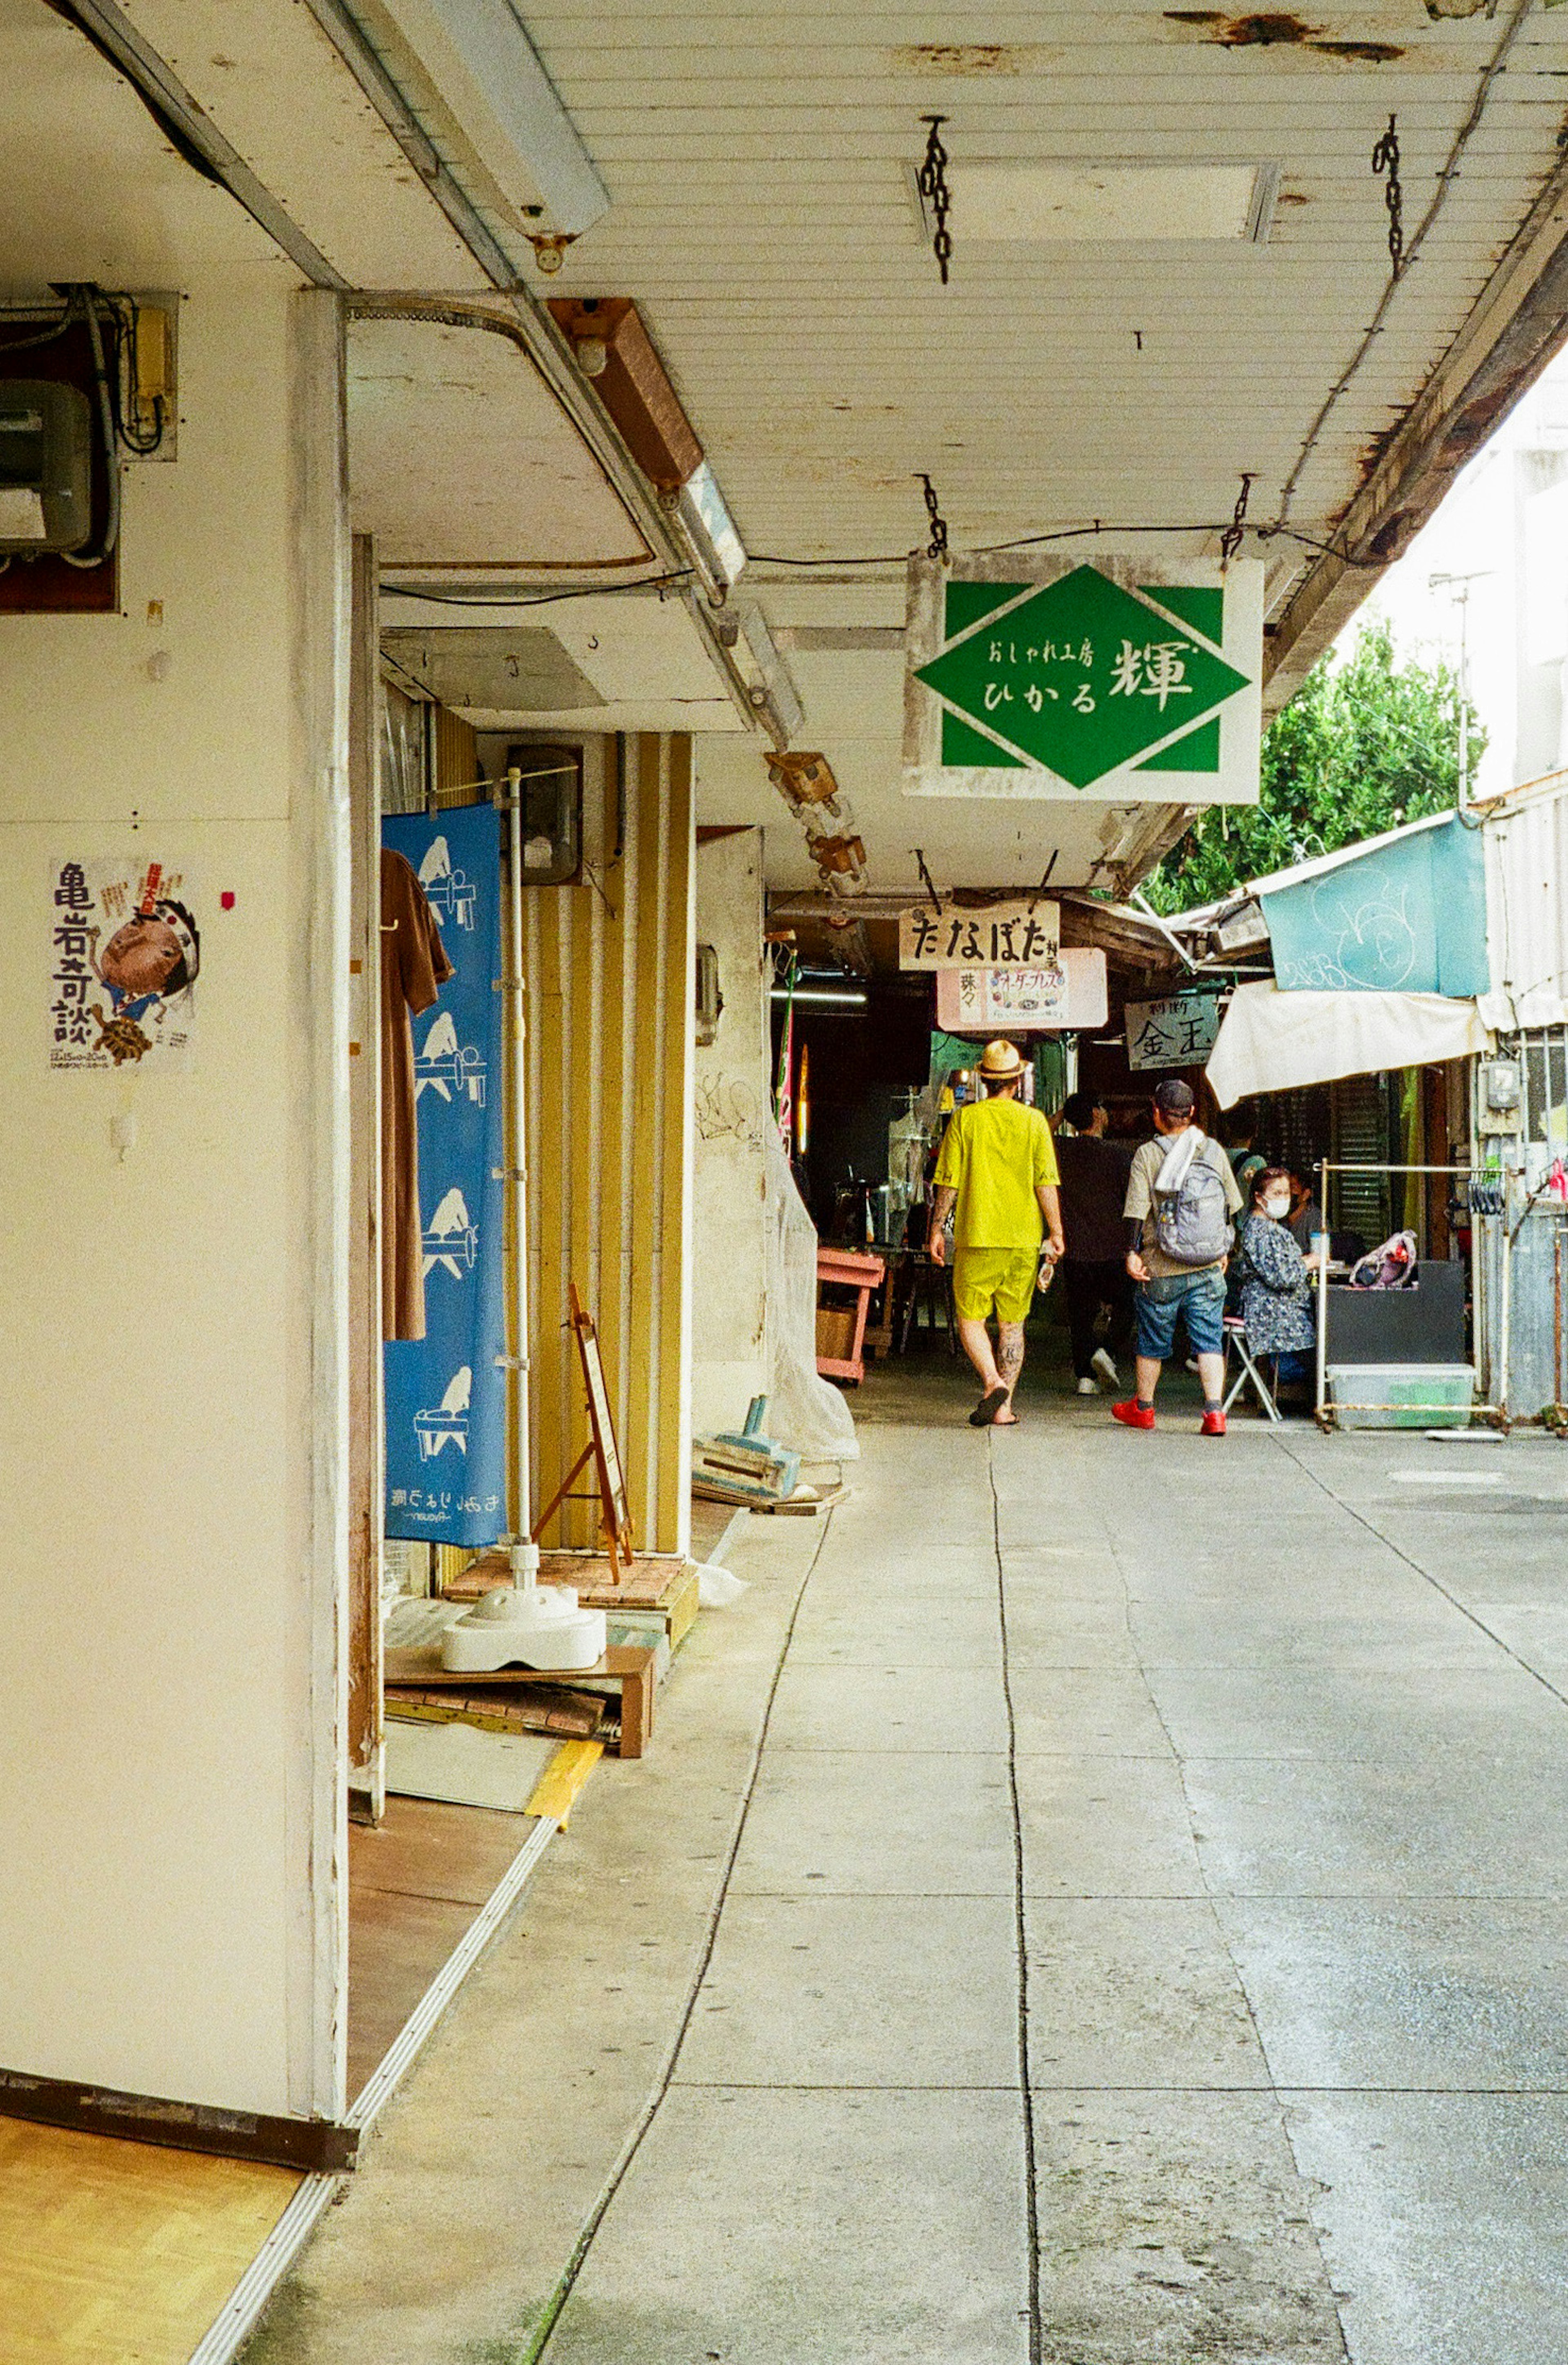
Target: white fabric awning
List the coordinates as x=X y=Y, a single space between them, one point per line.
x=1271 y=1042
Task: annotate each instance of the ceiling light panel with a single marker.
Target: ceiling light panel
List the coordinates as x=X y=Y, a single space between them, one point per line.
x=1039 y=204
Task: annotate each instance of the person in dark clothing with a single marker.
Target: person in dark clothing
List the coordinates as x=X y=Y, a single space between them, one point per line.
x=1093 y=1185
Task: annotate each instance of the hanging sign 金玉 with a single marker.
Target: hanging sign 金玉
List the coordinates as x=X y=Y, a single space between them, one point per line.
x=1132 y=680
x=1019 y=935
x=1179 y=1031
x=446 y=1393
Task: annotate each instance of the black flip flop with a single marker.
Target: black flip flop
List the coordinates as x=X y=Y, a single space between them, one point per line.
x=985 y=1412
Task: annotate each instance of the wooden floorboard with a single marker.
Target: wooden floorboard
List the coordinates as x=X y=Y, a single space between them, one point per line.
x=113 y=2252
x=119 y=2253
x=709 y=1521
x=415 y=1881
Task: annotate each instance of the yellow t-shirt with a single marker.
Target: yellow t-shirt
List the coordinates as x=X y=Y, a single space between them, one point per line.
x=995 y=1154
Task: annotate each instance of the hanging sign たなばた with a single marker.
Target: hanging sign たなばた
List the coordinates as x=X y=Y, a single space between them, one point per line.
x=1018 y=934
x=1125 y=681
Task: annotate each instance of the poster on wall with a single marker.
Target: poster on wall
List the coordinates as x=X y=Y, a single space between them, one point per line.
x=125 y=954
x=446 y=1393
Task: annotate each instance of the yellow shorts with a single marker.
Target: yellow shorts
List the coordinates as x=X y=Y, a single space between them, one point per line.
x=1004 y=1277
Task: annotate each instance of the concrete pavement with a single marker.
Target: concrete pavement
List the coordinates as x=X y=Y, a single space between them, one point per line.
x=1143 y=1939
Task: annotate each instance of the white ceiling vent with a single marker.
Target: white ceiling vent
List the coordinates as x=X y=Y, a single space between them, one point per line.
x=1040 y=204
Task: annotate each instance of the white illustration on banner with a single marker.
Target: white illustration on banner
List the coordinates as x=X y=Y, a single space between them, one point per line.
x=1372 y=942
x=447 y=1067
x=451 y=1238
x=450 y=893
x=125 y=953
x=446 y=1423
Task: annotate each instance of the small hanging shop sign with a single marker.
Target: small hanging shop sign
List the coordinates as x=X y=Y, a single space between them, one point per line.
x=1011 y=997
x=1025 y=933
x=1179 y=1031
x=1127 y=681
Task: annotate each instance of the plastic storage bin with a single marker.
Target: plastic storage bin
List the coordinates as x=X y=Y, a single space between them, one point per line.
x=1402 y=1395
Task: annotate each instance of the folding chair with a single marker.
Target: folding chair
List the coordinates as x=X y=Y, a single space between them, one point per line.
x=1236 y=1336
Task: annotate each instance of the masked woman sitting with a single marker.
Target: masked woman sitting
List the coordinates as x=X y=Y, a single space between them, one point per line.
x=1275 y=1278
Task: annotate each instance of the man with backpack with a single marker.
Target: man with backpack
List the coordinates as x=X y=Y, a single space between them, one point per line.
x=1181 y=1198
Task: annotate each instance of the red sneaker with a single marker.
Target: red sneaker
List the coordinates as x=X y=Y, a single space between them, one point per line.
x=1213 y=1424
x=1132 y=1415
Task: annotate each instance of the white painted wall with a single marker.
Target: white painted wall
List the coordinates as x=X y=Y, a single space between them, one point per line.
x=729 y=1258
x=171 y=1390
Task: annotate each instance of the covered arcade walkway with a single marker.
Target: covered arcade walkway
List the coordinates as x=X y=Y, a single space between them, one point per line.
x=1143 y=1940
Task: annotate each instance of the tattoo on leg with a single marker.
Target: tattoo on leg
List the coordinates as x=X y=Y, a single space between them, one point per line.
x=1010 y=1355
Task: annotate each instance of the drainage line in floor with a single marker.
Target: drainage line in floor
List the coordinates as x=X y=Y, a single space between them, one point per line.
x=1025 y=2092
x=544 y=2331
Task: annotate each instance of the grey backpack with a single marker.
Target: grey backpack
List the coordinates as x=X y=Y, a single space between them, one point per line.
x=1192 y=1224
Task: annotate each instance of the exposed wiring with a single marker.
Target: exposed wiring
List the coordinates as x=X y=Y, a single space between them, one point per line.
x=44 y=337
x=84 y=299
x=127 y=317
x=534 y=599
x=1099 y=526
x=1407 y=255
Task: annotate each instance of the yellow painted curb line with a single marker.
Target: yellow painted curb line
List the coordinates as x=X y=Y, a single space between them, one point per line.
x=555 y=1792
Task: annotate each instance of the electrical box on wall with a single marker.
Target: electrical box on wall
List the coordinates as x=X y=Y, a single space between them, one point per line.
x=552 y=788
x=1499 y=1097
x=87 y=383
x=46 y=466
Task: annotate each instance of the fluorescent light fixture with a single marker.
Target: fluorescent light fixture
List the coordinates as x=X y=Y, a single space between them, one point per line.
x=1045 y=204
x=812 y=993
x=487 y=71
x=708 y=521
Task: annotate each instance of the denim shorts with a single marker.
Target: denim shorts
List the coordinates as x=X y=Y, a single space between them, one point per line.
x=1199 y=1296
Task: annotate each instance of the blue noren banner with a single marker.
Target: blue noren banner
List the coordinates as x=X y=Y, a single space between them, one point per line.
x=446 y=1393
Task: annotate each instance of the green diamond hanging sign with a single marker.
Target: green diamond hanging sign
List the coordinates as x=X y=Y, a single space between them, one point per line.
x=1125 y=681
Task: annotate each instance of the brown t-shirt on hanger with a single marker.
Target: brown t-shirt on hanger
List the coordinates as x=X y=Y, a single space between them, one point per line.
x=414 y=968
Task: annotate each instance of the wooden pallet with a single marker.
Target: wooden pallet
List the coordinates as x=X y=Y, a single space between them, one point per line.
x=660 y=1584
x=628 y=1665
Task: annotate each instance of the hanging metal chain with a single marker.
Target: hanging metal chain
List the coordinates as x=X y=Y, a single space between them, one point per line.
x=1231 y=540
x=933 y=186
x=937 y=546
x=1385 y=159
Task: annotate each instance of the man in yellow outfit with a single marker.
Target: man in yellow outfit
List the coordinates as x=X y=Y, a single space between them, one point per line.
x=998 y=1162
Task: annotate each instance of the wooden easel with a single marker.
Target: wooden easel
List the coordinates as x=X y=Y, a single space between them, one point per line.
x=602 y=1447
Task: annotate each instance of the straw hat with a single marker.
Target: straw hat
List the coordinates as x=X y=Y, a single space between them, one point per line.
x=1000 y=1059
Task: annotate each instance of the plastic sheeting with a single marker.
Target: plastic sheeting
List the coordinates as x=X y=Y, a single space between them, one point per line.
x=1272 y=1042
x=804 y=1410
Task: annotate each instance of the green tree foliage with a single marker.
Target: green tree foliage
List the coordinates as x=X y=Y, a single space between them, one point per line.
x=1364 y=745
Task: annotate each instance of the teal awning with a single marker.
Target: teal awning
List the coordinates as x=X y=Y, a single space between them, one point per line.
x=1408 y=915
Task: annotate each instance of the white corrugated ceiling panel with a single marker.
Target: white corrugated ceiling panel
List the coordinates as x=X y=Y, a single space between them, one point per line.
x=757 y=158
